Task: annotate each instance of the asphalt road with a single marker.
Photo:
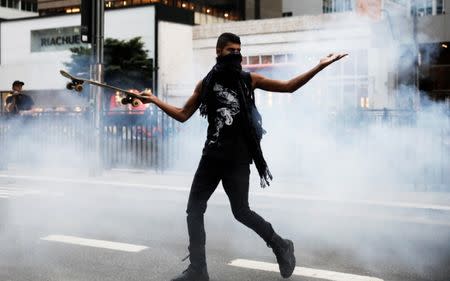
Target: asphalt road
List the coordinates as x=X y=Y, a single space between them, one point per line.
x=138 y=232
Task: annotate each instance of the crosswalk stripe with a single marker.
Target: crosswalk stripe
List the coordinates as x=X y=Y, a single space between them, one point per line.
x=303 y=271
x=11 y=192
x=95 y=243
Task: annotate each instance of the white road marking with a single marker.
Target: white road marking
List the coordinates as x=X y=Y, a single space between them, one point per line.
x=303 y=271
x=269 y=194
x=8 y=192
x=95 y=243
x=364 y=202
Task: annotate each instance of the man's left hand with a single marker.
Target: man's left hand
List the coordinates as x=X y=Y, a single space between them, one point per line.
x=326 y=61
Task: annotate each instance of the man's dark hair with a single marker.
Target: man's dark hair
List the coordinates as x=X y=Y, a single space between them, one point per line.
x=226 y=38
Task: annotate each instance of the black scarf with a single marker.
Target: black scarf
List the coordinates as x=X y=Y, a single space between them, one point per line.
x=228 y=70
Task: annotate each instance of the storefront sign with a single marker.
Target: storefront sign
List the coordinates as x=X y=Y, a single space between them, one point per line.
x=55 y=39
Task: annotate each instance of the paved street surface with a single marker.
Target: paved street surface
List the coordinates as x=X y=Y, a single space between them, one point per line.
x=126 y=225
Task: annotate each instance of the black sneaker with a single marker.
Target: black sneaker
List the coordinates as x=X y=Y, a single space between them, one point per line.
x=192 y=274
x=284 y=252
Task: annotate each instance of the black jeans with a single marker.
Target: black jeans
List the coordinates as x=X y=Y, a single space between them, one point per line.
x=235 y=180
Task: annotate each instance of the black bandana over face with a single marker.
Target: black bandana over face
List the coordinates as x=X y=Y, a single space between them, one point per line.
x=228 y=71
x=230 y=63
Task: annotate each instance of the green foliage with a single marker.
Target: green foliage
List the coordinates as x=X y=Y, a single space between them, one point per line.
x=126 y=63
x=80 y=59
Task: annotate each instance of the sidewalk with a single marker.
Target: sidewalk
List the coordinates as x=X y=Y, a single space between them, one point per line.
x=281 y=187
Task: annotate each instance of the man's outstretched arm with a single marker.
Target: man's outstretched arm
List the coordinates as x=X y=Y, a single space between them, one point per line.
x=292 y=85
x=180 y=114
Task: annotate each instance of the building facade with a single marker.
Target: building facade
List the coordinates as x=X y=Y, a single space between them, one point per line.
x=11 y=9
x=404 y=7
x=388 y=57
x=44 y=47
x=283 y=47
x=414 y=29
x=206 y=11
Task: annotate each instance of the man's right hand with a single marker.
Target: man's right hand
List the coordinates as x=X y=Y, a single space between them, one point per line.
x=11 y=106
x=147 y=96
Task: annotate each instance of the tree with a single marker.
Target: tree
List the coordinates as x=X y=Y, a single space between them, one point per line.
x=126 y=63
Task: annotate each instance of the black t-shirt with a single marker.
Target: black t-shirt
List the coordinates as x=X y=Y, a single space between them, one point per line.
x=23 y=102
x=226 y=137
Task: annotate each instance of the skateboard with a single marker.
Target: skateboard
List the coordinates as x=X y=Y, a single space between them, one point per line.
x=77 y=85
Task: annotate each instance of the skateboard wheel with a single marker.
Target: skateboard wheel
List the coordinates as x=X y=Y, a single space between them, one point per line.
x=125 y=101
x=136 y=103
x=78 y=88
x=69 y=86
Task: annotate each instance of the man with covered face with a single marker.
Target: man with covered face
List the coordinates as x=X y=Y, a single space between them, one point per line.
x=226 y=98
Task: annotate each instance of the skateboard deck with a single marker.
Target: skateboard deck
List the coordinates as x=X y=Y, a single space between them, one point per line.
x=77 y=85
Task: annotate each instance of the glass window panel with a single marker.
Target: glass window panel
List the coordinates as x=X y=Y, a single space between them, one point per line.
x=266 y=59
x=290 y=57
x=429 y=7
x=362 y=90
x=326 y=6
x=280 y=58
x=362 y=63
x=253 y=60
x=348 y=65
x=349 y=96
x=439 y=7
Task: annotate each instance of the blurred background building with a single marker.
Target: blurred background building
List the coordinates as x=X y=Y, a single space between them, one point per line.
x=10 y=9
x=398 y=62
x=206 y=11
x=395 y=46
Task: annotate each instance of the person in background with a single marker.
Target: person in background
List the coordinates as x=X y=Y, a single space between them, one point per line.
x=18 y=101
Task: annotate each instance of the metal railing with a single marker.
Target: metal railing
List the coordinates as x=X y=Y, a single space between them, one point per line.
x=152 y=140
x=144 y=140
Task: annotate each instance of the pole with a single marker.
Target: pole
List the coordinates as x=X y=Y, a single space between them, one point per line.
x=97 y=74
x=417 y=61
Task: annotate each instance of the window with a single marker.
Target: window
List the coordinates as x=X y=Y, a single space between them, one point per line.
x=427 y=7
x=244 y=60
x=400 y=2
x=349 y=66
x=253 y=60
x=280 y=58
x=28 y=6
x=440 y=7
x=326 y=6
x=17 y=4
x=291 y=58
x=362 y=63
x=346 y=84
x=336 y=6
x=266 y=59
